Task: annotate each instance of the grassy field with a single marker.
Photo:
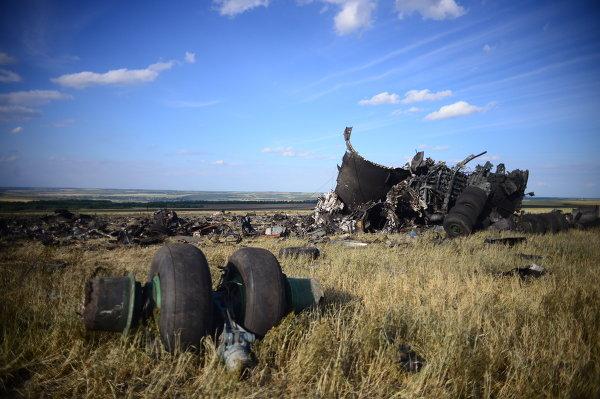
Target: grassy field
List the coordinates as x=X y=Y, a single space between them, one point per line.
x=481 y=335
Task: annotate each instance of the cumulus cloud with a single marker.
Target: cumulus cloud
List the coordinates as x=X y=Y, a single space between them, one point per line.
x=16 y=112
x=381 y=98
x=430 y=9
x=16 y=130
x=190 y=57
x=459 y=108
x=6 y=59
x=231 y=8
x=121 y=76
x=353 y=15
x=7 y=76
x=414 y=96
x=33 y=97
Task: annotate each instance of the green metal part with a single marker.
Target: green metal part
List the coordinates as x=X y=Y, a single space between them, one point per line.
x=134 y=298
x=302 y=293
x=156 y=293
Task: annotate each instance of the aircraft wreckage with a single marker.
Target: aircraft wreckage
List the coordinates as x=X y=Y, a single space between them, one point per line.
x=370 y=197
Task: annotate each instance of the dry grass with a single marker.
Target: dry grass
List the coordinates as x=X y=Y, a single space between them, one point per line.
x=482 y=336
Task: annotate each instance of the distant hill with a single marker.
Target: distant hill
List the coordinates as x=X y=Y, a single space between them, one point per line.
x=144 y=196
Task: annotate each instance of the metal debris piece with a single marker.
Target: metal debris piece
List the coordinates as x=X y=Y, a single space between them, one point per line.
x=586 y=216
x=235 y=347
x=276 y=231
x=409 y=359
x=530 y=256
x=247 y=228
x=532 y=271
x=295 y=252
x=350 y=243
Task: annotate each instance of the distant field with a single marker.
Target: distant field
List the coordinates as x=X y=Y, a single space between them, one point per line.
x=32 y=194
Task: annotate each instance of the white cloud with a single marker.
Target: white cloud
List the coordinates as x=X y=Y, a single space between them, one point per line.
x=16 y=112
x=459 y=108
x=16 y=130
x=121 y=76
x=7 y=76
x=6 y=59
x=286 y=152
x=381 y=98
x=487 y=49
x=231 y=8
x=414 y=96
x=430 y=9
x=353 y=15
x=33 y=97
x=190 y=57
x=219 y=162
x=192 y=104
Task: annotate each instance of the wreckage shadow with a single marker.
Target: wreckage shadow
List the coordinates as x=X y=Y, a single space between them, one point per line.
x=333 y=298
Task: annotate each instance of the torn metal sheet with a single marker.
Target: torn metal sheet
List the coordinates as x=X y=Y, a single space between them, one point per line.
x=361 y=181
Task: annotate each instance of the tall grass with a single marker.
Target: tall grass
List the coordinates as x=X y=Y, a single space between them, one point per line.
x=481 y=336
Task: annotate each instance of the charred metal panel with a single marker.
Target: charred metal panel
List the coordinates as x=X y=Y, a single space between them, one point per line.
x=361 y=181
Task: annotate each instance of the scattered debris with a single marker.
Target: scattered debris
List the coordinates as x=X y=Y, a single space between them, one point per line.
x=295 y=252
x=276 y=231
x=530 y=256
x=510 y=241
x=350 y=243
x=64 y=227
x=586 y=216
x=247 y=228
x=531 y=271
x=409 y=359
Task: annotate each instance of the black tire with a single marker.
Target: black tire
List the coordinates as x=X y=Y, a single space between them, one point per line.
x=457 y=225
x=562 y=221
x=264 y=288
x=467 y=210
x=551 y=222
x=474 y=196
x=295 y=252
x=186 y=311
x=541 y=227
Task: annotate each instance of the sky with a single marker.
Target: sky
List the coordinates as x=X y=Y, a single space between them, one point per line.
x=254 y=95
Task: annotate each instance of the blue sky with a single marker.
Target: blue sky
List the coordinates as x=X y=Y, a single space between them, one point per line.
x=254 y=94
